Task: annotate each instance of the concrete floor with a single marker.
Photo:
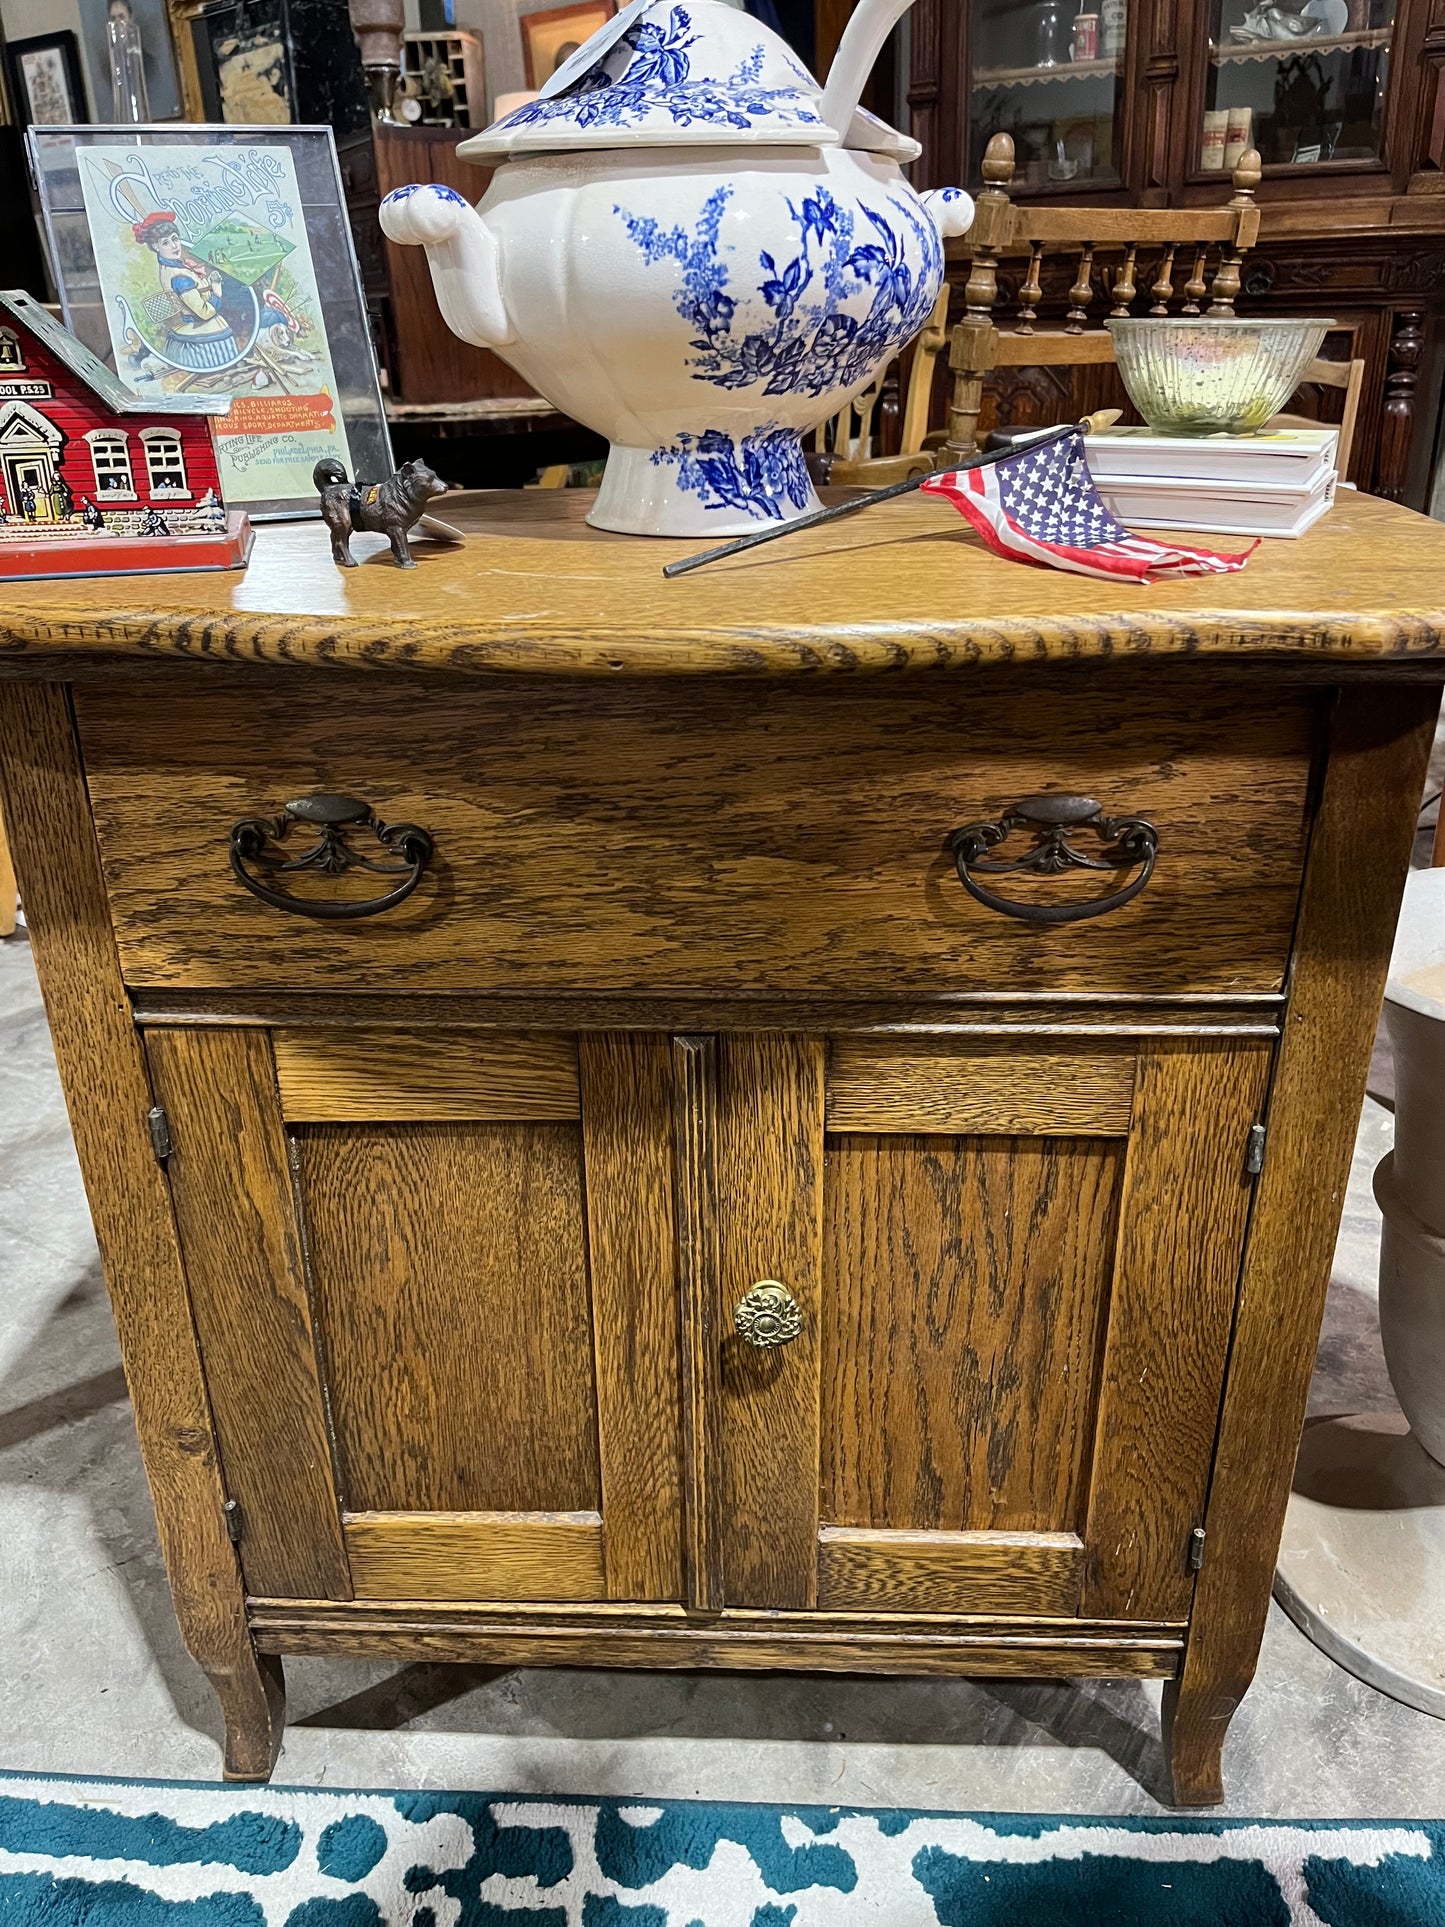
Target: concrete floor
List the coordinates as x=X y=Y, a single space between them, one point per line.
x=94 y=1680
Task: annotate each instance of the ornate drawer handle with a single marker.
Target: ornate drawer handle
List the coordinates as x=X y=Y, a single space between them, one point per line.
x=332 y=854
x=769 y=1315
x=1130 y=843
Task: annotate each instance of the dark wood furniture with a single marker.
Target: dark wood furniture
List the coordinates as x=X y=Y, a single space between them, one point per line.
x=446 y=1243
x=1360 y=238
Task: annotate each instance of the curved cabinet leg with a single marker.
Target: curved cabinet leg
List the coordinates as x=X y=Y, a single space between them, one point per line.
x=253 y=1700
x=1194 y=1730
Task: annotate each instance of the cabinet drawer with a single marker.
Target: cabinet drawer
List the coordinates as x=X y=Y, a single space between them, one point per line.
x=725 y=837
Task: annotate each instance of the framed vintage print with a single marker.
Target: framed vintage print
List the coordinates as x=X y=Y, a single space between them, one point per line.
x=45 y=82
x=219 y=260
x=243 y=54
x=555 y=34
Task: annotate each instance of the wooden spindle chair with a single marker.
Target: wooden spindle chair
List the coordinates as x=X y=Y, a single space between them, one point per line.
x=1349 y=378
x=983 y=340
x=845 y=444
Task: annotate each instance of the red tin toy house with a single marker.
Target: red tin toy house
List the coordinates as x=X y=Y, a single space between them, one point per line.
x=93 y=480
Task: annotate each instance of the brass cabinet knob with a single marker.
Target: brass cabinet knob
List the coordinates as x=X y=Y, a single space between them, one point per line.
x=769 y=1315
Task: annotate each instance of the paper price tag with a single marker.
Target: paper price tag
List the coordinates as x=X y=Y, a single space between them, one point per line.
x=591 y=51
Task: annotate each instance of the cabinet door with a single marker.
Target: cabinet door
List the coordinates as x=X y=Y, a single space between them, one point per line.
x=433 y=1279
x=1014 y=1265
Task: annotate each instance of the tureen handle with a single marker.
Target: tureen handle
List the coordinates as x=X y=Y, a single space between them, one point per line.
x=862 y=42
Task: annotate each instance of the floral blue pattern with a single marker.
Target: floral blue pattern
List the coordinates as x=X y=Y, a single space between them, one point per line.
x=439 y=188
x=658 y=77
x=760 y=475
x=814 y=343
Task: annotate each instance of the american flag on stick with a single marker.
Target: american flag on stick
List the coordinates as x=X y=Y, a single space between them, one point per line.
x=1040 y=505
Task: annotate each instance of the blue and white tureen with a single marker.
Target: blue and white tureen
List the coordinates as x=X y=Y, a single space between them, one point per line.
x=690 y=248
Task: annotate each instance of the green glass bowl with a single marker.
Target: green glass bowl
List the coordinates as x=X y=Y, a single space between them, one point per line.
x=1206 y=377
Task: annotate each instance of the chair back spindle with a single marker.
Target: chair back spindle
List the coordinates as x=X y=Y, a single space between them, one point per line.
x=1031 y=293
x=1082 y=293
x=1163 y=288
x=1196 y=287
x=1124 y=289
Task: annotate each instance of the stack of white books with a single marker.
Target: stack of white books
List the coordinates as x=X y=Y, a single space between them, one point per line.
x=1277 y=482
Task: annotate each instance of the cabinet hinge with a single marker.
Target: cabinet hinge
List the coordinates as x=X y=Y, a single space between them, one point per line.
x=1254 y=1150
x=232 y=1511
x=160 y=1129
x=1196 y=1549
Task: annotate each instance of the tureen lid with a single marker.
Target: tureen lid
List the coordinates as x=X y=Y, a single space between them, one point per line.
x=669 y=73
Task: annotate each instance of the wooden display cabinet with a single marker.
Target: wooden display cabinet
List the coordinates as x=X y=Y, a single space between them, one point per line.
x=677 y=1215
x=1356 y=232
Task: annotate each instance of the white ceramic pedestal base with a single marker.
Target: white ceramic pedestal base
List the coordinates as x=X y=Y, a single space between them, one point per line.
x=733 y=485
x=1362 y=1563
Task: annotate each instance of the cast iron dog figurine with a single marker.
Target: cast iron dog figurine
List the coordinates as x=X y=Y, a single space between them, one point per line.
x=386 y=508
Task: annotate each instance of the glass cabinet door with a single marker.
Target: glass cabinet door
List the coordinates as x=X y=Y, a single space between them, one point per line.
x=1303 y=83
x=1049 y=73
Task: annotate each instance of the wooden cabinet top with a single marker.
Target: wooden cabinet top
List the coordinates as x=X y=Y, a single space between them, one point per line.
x=905 y=586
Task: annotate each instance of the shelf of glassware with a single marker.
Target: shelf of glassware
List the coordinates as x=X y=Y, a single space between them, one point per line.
x=985 y=78
x=1333 y=43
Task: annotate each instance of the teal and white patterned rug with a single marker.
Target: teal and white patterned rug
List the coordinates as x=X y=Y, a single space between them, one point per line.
x=129 y=1853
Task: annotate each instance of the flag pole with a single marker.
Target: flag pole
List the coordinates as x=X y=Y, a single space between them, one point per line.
x=840 y=509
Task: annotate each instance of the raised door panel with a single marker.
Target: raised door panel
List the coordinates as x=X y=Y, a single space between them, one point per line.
x=1016 y=1279
x=449 y=1267
x=487 y=1329
x=968 y=1284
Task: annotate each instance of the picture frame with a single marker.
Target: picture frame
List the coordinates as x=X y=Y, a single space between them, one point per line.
x=550 y=36
x=157 y=44
x=242 y=53
x=207 y=258
x=44 y=76
x=181 y=14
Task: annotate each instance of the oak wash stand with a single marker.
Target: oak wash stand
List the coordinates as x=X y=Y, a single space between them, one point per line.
x=692 y=1219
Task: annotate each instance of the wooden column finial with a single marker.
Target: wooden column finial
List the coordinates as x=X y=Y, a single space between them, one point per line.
x=1247 y=176
x=971 y=347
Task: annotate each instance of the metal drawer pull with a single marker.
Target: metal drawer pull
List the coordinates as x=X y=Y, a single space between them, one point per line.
x=769 y=1315
x=332 y=854
x=1130 y=843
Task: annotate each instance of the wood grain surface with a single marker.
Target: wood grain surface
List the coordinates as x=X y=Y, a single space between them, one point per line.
x=107 y=1093
x=450 y=1273
x=965 y=1284
x=7 y=884
x=695 y=1137
x=231 y=1180
x=476 y=1555
x=770 y=1211
x=632 y=1256
x=949 y=1572
x=1358 y=858
x=907 y=1084
x=595 y=1615
x=905 y=586
x=349 y=1076
x=675 y=837
x=962 y=1014
x=942 y=1649
x=1182 y=1214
